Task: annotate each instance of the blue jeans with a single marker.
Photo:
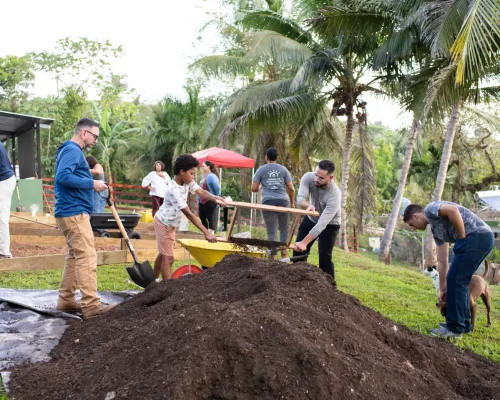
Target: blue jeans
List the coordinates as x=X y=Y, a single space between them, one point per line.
x=469 y=253
x=99 y=204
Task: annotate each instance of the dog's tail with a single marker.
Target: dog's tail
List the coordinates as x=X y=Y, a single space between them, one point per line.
x=486 y=267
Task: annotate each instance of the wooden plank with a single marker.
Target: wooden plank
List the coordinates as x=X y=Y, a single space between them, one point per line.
x=295 y=223
x=119 y=200
x=150 y=255
x=264 y=207
x=233 y=220
x=58 y=240
x=132 y=194
x=35 y=263
x=38 y=240
x=38 y=263
x=146 y=244
x=141 y=244
x=18 y=218
x=121 y=185
x=23 y=230
x=113 y=257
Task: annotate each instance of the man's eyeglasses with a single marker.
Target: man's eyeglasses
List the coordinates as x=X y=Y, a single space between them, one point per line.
x=96 y=137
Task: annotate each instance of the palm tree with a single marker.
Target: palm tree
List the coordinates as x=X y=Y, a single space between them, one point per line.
x=268 y=48
x=448 y=29
x=342 y=64
x=465 y=33
x=113 y=139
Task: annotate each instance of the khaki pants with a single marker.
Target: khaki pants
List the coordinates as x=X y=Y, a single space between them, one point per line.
x=80 y=267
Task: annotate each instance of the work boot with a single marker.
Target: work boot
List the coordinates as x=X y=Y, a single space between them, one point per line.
x=97 y=311
x=69 y=306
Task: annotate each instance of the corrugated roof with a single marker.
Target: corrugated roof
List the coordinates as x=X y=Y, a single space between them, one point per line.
x=17 y=124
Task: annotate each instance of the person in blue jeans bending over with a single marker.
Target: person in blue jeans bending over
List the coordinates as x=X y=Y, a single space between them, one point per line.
x=452 y=223
x=99 y=198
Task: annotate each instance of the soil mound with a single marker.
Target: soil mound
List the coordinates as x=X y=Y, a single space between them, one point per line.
x=252 y=329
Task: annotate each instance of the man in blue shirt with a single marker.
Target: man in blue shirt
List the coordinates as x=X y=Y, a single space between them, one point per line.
x=74 y=191
x=452 y=223
x=7 y=186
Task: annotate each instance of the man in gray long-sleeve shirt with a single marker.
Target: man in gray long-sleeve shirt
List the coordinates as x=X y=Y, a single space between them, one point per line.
x=318 y=192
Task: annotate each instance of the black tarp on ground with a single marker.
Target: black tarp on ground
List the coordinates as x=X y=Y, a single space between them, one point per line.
x=30 y=325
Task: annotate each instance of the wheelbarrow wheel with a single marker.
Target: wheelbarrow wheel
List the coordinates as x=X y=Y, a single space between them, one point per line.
x=104 y=234
x=134 y=235
x=185 y=270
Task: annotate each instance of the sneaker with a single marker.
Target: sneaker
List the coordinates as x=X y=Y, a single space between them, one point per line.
x=445 y=333
x=443 y=325
x=69 y=307
x=97 y=311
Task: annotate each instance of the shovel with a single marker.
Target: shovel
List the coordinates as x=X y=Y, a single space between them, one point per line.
x=294 y=259
x=19 y=207
x=141 y=274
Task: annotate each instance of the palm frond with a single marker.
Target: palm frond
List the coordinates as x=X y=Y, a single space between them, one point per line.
x=226 y=30
x=441 y=22
x=258 y=95
x=352 y=24
x=399 y=45
x=272 y=115
x=489 y=119
x=268 y=20
x=316 y=69
x=311 y=8
x=282 y=51
x=222 y=66
x=441 y=91
x=478 y=42
x=488 y=94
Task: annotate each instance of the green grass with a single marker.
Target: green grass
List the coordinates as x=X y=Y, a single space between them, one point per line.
x=399 y=292
x=3 y=396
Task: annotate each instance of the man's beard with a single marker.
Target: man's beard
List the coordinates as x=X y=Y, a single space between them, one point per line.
x=324 y=185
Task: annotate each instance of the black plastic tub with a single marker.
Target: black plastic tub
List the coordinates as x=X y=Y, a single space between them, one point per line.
x=100 y=221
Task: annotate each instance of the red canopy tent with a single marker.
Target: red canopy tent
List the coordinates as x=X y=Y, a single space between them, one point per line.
x=224 y=158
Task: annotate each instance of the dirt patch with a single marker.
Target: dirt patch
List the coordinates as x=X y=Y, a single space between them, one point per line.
x=252 y=329
x=28 y=250
x=245 y=244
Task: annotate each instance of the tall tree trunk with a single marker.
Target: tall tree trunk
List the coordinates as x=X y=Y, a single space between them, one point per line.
x=441 y=177
x=455 y=194
x=385 y=246
x=345 y=171
x=362 y=131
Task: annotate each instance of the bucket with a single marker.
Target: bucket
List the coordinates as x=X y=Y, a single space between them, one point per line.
x=146 y=216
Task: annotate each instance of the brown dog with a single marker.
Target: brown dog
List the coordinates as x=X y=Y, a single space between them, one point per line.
x=477 y=287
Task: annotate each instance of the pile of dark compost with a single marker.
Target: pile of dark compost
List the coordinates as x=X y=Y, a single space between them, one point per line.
x=252 y=329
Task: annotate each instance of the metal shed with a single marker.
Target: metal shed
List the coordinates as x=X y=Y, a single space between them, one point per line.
x=24 y=131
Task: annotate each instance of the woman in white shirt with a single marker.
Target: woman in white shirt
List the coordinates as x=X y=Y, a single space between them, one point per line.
x=156 y=181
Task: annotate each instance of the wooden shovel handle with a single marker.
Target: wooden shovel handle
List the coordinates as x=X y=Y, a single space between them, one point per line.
x=117 y=217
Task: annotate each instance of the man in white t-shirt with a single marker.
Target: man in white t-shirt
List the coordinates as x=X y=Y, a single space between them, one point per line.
x=168 y=217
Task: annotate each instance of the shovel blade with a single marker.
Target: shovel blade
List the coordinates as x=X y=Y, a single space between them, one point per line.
x=141 y=274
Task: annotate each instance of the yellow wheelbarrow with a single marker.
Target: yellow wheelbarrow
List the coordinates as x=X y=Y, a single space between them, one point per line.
x=208 y=254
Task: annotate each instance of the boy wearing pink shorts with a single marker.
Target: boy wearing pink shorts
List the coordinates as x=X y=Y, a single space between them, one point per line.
x=168 y=217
